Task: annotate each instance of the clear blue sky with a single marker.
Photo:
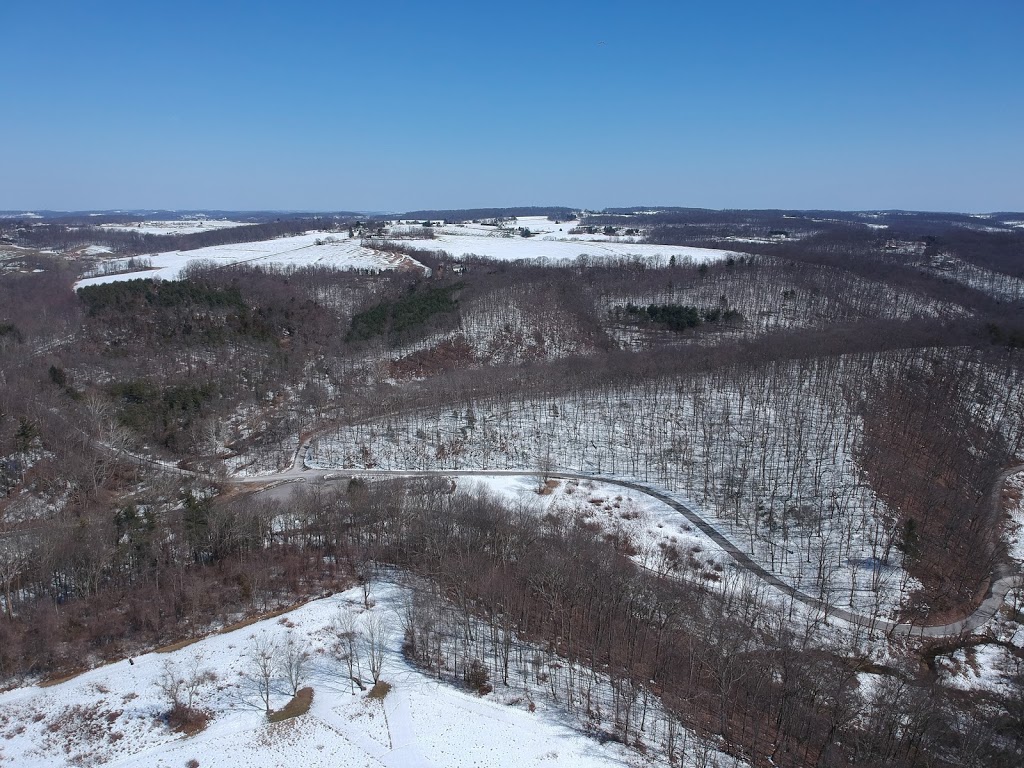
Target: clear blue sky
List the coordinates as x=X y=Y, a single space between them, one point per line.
x=401 y=105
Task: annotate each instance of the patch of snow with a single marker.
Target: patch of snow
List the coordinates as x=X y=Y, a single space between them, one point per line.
x=94 y=250
x=661 y=539
x=987 y=667
x=177 y=227
x=1015 y=510
x=112 y=715
x=336 y=250
x=566 y=249
x=551 y=242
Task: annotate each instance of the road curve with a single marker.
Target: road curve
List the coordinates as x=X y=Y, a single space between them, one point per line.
x=1003 y=580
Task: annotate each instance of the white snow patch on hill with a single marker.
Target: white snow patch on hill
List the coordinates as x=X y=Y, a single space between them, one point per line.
x=112 y=715
x=552 y=242
x=95 y=250
x=987 y=667
x=660 y=538
x=337 y=251
x=1015 y=510
x=177 y=227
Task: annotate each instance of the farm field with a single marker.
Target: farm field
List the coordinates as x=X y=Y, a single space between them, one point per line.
x=338 y=250
x=314 y=248
x=554 y=243
x=178 y=227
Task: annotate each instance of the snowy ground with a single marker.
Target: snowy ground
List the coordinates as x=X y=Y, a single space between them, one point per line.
x=95 y=250
x=552 y=242
x=991 y=666
x=771 y=467
x=112 y=715
x=988 y=667
x=337 y=251
x=178 y=227
x=1001 y=286
x=663 y=540
x=1015 y=511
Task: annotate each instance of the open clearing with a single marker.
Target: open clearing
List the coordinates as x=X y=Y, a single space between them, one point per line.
x=177 y=227
x=338 y=251
x=553 y=242
x=112 y=715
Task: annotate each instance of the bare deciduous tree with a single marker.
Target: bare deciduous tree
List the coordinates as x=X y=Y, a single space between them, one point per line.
x=347 y=631
x=181 y=688
x=295 y=663
x=263 y=654
x=376 y=641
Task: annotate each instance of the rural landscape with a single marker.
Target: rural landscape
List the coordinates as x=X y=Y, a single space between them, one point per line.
x=512 y=486
x=557 y=385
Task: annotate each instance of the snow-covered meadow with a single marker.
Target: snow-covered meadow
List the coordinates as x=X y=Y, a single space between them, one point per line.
x=553 y=242
x=175 y=227
x=113 y=715
x=336 y=251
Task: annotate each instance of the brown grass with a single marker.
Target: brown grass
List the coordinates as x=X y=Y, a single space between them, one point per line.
x=299 y=705
x=379 y=691
x=177 y=646
x=548 y=487
x=62 y=679
x=172 y=647
x=260 y=617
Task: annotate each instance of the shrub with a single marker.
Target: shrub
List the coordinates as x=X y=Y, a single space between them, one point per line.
x=477 y=677
x=187 y=720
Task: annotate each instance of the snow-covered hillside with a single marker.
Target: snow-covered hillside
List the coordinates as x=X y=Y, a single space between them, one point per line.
x=112 y=715
x=336 y=250
x=339 y=251
x=553 y=241
x=772 y=463
x=176 y=227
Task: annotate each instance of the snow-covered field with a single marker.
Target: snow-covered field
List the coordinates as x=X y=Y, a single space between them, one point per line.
x=337 y=251
x=552 y=242
x=176 y=227
x=95 y=250
x=112 y=715
x=989 y=667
